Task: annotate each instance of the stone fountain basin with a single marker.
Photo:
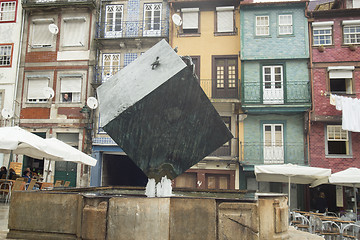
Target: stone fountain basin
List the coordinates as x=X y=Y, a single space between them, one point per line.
x=114 y=213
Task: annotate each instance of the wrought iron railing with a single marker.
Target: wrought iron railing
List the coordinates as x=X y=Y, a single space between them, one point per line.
x=132 y=29
x=208 y=86
x=252 y=153
x=104 y=73
x=290 y=92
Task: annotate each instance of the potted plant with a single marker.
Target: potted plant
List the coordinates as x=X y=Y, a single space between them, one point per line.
x=352 y=47
x=321 y=48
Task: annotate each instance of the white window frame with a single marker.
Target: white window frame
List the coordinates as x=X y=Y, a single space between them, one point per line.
x=35 y=92
x=273 y=150
x=190 y=18
x=274 y=94
x=7 y=11
x=262 y=25
x=110 y=65
x=351 y=31
x=342 y=72
x=112 y=20
x=74 y=29
x=322 y=33
x=225 y=19
x=155 y=21
x=48 y=42
x=285 y=27
x=74 y=91
x=6 y=55
x=336 y=133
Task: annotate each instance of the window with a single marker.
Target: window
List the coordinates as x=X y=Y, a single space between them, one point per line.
x=74 y=32
x=5 y=55
x=152 y=19
x=7 y=11
x=70 y=88
x=322 y=33
x=337 y=140
x=113 y=20
x=217 y=181
x=225 y=77
x=285 y=24
x=341 y=79
x=353 y=4
x=273 y=92
x=186 y=180
x=225 y=19
x=351 y=31
x=190 y=18
x=262 y=25
x=111 y=65
x=41 y=36
x=36 y=86
x=273 y=143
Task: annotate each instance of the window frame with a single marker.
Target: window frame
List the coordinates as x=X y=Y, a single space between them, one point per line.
x=15 y=11
x=257 y=26
x=37 y=100
x=231 y=10
x=113 y=24
x=348 y=143
x=78 y=77
x=351 y=24
x=273 y=125
x=190 y=10
x=322 y=26
x=70 y=74
x=11 y=54
x=335 y=71
x=71 y=17
x=291 y=25
x=152 y=32
x=41 y=47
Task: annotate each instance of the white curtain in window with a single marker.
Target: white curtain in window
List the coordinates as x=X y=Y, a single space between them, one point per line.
x=41 y=36
x=190 y=18
x=74 y=32
x=70 y=85
x=225 y=19
x=36 y=88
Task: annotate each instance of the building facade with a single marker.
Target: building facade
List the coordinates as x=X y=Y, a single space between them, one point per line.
x=54 y=81
x=275 y=93
x=209 y=33
x=335 y=41
x=124 y=30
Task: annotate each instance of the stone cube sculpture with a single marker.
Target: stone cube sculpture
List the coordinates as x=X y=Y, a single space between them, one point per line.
x=156 y=111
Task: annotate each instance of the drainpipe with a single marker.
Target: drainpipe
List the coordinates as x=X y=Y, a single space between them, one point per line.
x=18 y=66
x=311 y=88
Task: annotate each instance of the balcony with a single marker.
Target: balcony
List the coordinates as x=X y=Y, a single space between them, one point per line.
x=228 y=151
x=104 y=73
x=131 y=29
x=253 y=153
x=224 y=93
x=27 y=4
x=294 y=95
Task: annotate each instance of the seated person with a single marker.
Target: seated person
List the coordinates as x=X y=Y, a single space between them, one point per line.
x=27 y=176
x=12 y=174
x=3 y=172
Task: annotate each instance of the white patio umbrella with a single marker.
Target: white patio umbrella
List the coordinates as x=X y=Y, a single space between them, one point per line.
x=349 y=177
x=291 y=173
x=68 y=153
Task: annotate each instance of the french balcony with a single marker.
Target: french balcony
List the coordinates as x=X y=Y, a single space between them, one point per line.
x=58 y=3
x=294 y=95
x=104 y=73
x=255 y=153
x=132 y=29
x=224 y=91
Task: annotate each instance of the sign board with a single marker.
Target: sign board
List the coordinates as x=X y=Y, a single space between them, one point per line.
x=339 y=196
x=17 y=167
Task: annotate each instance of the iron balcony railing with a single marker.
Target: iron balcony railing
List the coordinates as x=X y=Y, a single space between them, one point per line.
x=252 y=153
x=104 y=73
x=224 y=92
x=289 y=92
x=132 y=29
x=38 y=3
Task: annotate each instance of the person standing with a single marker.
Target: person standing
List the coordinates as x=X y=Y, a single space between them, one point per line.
x=321 y=203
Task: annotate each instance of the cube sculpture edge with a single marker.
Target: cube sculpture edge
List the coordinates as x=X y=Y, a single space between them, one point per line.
x=156 y=111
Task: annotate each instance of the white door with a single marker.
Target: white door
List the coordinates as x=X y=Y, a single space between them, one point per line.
x=111 y=65
x=113 y=21
x=152 y=19
x=273 y=143
x=273 y=92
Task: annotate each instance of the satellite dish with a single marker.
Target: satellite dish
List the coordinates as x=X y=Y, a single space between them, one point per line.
x=92 y=102
x=48 y=93
x=176 y=19
x=6 y=113
x=53 y=28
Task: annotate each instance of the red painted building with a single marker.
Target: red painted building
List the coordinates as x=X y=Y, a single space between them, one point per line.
x=335 y=70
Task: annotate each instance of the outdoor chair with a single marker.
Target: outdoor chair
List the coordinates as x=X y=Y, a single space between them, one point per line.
x=67 y=184
x=304 y=224
x=332 y=214
x=330 y=230
x=58 y=183
x=350 y=231
x=5 y=189
x=30 y=186
x=316 y=225
x=46 y=185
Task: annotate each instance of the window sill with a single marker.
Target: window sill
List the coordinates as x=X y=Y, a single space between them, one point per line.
x=339 y=156
x=262 y=36
x=285 y=35
x=225 y=33
x=189 y=34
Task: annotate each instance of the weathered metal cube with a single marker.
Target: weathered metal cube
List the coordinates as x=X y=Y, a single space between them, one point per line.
x=156 y=111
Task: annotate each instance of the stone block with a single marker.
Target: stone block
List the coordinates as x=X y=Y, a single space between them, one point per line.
x=94 y=222
x=156 y=111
